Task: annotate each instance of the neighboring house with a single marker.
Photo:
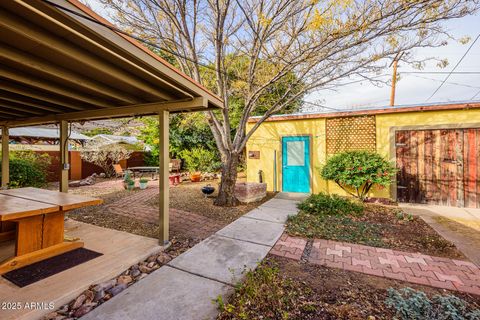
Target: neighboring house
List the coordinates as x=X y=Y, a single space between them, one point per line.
x=435 y=147
x=110 y=138
x=35 y=137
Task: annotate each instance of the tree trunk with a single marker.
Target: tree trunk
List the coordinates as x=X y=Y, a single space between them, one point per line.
x=226 y=193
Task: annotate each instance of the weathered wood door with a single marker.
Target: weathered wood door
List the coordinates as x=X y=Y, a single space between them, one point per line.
x=439 y=167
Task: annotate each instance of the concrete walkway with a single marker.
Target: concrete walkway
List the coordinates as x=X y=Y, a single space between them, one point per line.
x=461 y=226
x=187 y=286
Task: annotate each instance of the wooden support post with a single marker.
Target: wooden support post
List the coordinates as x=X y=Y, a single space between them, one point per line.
x=394 y=83
x=64 y=164
x=163 y=177
x=394 y=77
x=5 y=158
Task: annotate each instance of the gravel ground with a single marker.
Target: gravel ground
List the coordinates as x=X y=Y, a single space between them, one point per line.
x=186 y=196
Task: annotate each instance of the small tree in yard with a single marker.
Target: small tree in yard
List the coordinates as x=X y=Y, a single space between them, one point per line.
x=105 y=155
x=358 y=170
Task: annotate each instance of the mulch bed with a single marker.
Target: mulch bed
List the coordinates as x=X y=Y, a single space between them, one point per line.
x=342 y=294
x=379 y=226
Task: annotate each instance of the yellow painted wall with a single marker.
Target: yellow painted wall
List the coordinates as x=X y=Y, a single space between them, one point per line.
x=267 y=138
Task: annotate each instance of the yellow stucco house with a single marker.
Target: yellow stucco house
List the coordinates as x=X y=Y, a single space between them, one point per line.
x=435 y=148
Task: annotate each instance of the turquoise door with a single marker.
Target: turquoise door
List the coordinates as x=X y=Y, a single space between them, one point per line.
x=296 y=164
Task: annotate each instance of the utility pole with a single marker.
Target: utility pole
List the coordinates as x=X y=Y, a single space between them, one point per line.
x=394 y=77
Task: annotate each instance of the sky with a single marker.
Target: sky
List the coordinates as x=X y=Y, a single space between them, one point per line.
x=415 y=89
x=411 y=88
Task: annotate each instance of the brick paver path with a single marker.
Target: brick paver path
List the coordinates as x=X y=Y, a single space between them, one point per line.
x=184 y=223
x=416 y=268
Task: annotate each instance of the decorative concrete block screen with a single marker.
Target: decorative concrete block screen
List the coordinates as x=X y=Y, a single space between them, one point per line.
x=351 y=133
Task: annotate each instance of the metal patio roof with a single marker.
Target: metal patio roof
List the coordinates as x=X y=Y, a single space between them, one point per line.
x=46 y=133
x=55 y=65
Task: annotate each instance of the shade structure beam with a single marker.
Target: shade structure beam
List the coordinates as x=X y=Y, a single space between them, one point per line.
x=45 y=69
x=75 y=54
x=198 y=104
x=32 y=81
x=46 y=107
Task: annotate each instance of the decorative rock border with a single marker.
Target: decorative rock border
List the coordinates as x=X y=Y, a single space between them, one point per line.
x=97 y=294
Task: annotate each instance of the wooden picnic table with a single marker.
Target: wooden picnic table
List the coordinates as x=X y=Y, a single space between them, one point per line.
x=152 y=170
x=35 y=219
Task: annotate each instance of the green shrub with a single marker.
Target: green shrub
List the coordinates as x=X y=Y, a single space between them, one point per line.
x=338 y=228
x=198 y=159
x=28 y=169
x=324 y=204
x=333 y=217
x=358 y=170
x=411 y=304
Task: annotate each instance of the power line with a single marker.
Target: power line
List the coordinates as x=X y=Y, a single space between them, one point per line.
x=455 y=67
x=440 y=72
x=476 y=94
x=321 y=106
x=454 y=83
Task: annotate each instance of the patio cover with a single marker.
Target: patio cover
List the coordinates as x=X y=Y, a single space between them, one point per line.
x=58 y=67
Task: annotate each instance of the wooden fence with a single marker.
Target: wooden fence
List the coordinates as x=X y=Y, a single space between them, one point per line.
x=80 y=169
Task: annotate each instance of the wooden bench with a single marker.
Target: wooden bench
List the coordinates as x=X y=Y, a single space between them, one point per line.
x=38 y=216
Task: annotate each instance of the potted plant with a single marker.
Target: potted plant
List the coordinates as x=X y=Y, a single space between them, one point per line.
x=130 y=184
x=143 y=183
x=199 y=160
x=126 y=178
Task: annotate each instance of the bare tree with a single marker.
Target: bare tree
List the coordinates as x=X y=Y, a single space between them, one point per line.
x=104 y=155
x=320 y=41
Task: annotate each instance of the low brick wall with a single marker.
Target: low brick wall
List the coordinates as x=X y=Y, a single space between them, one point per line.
x=250 y=191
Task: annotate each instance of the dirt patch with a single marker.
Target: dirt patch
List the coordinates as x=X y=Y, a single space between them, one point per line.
x=185 y=197
x=409 y=235
x=100 y=216
x=342 y=294
x=379 y=226
x=105 y=219
x=188 y=197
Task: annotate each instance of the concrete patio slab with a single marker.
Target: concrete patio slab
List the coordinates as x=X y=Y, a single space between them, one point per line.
x=167 y=294
x=295 y=196
x=461 y=226
x=222 y=259
x=120 y=251
x=257 y=231
x=281 y=204
x=271 y=214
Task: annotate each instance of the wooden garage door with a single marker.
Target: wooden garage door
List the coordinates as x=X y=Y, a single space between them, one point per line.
x=439 y=167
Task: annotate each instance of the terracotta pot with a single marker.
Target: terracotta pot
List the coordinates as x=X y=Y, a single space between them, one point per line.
x=195 y=176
